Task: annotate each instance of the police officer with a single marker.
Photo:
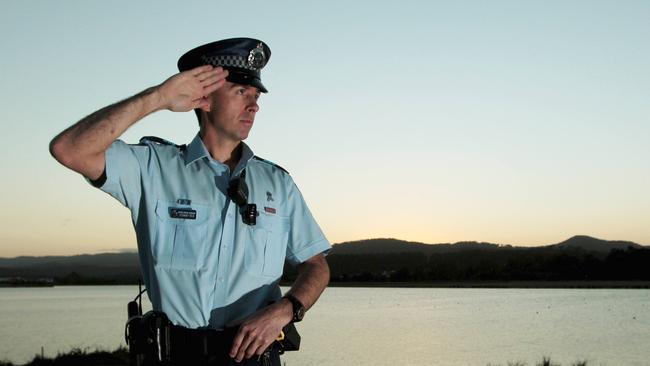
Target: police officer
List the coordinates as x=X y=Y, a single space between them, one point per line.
x=214 y=223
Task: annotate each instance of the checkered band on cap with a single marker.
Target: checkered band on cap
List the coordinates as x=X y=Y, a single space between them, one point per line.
x=229 y=61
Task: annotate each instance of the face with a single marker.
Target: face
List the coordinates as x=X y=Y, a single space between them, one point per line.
x=232 y=111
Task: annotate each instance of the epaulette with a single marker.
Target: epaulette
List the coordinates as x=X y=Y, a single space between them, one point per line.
x=270 y=162
x=161 y=141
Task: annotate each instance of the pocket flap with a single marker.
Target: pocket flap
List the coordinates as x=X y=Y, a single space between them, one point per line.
x=273 y=223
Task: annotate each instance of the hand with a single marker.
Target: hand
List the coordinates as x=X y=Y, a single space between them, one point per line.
x=260 y=330
x=189 y=89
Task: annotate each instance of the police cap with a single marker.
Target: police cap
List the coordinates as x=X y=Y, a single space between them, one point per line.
x=242 y=57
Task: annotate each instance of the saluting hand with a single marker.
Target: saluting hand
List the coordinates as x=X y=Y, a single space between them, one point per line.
x=189 y=89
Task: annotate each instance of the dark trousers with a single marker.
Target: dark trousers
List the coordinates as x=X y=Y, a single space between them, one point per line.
x=225 y=360
x=212 y=360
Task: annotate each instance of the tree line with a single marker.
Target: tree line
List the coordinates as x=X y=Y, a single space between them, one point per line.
x=489 y=263
x=507 y=264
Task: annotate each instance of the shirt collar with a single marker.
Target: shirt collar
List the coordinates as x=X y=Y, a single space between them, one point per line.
x=246 y=156
x=196 y=150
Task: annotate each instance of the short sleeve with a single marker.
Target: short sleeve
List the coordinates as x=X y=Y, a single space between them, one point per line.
x=123 y=172
x=306 y=239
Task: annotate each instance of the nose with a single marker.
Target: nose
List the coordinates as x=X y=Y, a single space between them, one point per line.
x=253 y=106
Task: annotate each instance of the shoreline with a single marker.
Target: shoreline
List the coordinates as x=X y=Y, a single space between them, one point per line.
x=560 y=284
x=120 y=357
x=503 y=284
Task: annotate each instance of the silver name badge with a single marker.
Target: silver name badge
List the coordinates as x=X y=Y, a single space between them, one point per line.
x=182 y=213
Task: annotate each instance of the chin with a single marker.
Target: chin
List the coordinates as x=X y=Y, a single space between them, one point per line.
x=244 y=134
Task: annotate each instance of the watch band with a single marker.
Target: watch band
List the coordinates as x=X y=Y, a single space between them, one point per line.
x=298 y=308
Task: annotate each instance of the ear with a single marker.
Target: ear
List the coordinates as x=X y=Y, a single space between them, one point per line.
x=205 y=105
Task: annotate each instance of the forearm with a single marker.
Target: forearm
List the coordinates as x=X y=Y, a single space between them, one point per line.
x=81 y=147
x=313 y=277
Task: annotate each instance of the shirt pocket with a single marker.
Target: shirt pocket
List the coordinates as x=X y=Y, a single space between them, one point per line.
x=180 y=237
x=266 y=245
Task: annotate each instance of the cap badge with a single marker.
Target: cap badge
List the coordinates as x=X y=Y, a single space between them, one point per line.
x=256 y=57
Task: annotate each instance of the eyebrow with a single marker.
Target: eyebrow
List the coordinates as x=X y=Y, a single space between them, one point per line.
x=247 y=87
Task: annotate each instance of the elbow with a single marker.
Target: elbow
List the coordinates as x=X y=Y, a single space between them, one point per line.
x=55 y=147
x=67 y=154
x=328 y=274
x=60 y=151
x=72 y=155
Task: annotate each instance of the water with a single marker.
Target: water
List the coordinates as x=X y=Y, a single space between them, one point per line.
x=374 y=326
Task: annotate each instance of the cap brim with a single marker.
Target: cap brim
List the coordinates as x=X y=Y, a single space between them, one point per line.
x=246 y=79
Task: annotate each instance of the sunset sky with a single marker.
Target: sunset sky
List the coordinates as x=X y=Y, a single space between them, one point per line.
x=510 y=122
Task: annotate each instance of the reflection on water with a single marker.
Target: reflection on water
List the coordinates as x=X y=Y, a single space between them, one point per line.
x=374 y=326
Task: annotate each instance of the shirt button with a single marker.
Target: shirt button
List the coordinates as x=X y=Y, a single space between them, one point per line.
x=221 y=279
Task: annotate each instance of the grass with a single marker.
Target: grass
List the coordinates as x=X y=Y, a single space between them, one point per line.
x=546 y=361
x=81 y=357
x=120 y=357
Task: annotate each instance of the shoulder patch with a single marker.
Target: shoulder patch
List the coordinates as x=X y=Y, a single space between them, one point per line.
x=160 y=141
x=270 y=163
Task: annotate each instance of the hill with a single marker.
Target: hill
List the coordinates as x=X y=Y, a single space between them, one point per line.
x=389 y=245
x=598 y=245
x=386 y=259
x=104 y=267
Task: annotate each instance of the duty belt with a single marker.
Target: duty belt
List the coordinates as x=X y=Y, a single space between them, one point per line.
x=206 y=342
x=154 y=340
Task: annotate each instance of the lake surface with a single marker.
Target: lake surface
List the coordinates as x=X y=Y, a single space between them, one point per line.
x=374 y=326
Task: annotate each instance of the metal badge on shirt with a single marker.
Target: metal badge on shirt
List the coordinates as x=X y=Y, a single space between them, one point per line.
x=182 y=212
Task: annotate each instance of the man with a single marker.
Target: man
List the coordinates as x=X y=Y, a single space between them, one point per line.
x=214 y=223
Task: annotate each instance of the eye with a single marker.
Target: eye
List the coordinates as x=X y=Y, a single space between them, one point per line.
x=241 y=91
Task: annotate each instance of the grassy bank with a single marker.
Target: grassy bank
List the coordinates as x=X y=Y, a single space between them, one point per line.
x=546 y=361
x=119 y=357
x=79 y=357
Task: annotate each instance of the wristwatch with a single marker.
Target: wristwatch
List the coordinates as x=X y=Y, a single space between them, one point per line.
x=298 y=308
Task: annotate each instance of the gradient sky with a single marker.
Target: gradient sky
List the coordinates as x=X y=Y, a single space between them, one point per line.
x=514 y=122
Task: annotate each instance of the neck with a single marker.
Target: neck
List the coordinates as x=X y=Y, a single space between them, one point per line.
x=222 y=150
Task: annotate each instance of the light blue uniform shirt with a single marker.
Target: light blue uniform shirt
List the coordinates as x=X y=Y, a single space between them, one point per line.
x=209 y=269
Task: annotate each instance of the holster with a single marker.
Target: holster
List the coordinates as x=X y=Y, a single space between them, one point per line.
x=291 y=340
x=148 y=338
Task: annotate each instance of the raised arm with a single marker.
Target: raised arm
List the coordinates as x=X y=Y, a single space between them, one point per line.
x=81 y=147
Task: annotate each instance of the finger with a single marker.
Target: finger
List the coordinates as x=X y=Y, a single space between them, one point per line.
x=217 y=72
x=207 y=74
x=250 y=351
x=236 y=343
x=243 y=349
x=261 y=349
x=213 y=78
x=210 y=89
x=197 y=70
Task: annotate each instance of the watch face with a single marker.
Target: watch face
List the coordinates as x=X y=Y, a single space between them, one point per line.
x=300 y=313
